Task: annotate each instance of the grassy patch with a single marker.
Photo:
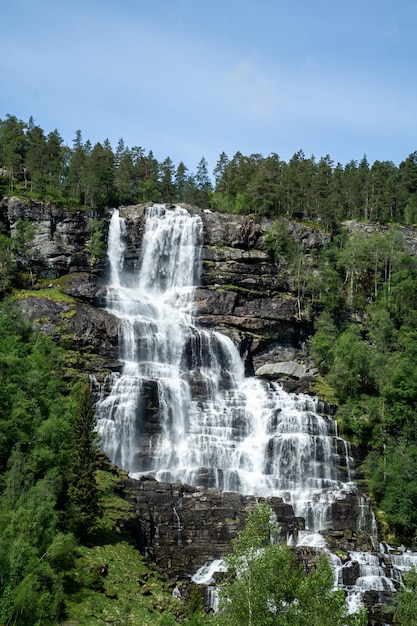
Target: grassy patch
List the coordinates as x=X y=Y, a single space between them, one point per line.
x=50 y=293
x=128 y=592
x=111 y=584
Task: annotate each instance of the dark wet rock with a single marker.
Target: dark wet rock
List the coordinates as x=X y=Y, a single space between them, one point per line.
x=179 y=528
x=83 y=287
x=215 y=303
x=90 y=332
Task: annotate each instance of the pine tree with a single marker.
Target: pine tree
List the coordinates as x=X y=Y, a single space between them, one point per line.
x=36 y=157
x=166 y=178
x=181 y=181
x=74 y=183
x=82 y=490
x=13 y=145
x=203 y=184
x=56 y=155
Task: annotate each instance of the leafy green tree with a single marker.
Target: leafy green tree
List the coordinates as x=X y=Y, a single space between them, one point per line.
x=350 y=373
x=405 y=613
x=95 y=243
x=266 y=586
x=280 y=240
x=6 y=263
x=323 y=340
x=35 y=553
x=391 y=479
x=25 y=232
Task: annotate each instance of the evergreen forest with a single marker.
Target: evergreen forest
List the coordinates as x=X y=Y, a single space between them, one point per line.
x=39 y=165
x=357 y=293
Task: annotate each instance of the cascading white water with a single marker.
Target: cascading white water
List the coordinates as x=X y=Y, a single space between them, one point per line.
x=182 y=408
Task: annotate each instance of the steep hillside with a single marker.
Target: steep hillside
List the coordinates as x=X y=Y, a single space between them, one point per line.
x=328 y=314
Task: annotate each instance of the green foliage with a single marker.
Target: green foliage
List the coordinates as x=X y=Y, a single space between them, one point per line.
x=266 y=586
x=39 y=165
x=322 y=342
x=36 y=552
x=195 y=603
x=83 y=490
x=281 y=242
x=351 y=366
x=359 y=290
x=405 y=613
x=366 y=350
x=6 y=263
x=95 y=245
x=25 y=233
x=391 y=479
x=47 y=440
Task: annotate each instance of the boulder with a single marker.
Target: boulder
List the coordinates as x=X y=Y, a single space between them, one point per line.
x=285 y=368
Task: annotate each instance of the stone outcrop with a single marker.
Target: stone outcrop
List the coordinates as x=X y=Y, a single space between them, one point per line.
x=89 y=334
x=242 y=291
x=280 y=369
x=179 y=528
x=58 y=246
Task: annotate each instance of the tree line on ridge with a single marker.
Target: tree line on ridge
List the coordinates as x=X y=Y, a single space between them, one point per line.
x=97 y=176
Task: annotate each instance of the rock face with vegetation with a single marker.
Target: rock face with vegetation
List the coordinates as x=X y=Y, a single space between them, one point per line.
x=309 y=266
x=242 y=291
x=301 y=304
x=180 y=528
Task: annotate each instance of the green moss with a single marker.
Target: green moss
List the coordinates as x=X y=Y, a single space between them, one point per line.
x=67 y=315
x=314 y=225
x=341 y=553
x=50 y=293
x=257 y=293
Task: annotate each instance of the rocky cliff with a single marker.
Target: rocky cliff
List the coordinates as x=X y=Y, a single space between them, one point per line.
x=243 y=293
x=242 y=290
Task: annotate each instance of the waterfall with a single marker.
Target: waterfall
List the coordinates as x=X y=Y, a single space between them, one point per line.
x=182 y=409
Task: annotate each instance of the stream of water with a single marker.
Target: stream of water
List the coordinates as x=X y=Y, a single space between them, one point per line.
x=213 y=425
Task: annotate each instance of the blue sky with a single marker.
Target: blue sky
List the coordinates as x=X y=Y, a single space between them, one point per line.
x=187 y=78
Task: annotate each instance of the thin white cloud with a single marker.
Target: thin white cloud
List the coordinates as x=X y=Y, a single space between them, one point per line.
x=247 y=88
x=193 y=80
